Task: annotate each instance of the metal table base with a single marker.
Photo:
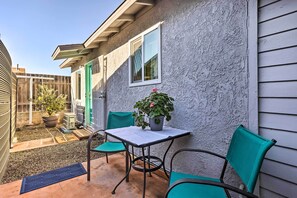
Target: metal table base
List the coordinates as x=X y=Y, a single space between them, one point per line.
x=145 y=158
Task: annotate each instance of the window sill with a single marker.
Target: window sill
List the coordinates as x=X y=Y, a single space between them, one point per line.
x=145 y=83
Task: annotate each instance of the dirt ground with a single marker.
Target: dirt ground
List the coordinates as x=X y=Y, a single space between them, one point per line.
x=32 y=133
x=34 y=161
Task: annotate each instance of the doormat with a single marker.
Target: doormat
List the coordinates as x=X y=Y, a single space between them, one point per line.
x=34 y=182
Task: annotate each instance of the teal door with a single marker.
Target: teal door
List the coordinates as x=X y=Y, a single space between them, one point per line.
x=89 y=105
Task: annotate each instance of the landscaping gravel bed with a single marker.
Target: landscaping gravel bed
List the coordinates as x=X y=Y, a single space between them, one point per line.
x=39 y=160
x=32 y=133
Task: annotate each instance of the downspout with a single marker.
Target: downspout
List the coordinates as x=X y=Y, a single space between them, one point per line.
x=104 y=92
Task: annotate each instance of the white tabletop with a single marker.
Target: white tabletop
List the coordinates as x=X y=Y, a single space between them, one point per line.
x=138 y=137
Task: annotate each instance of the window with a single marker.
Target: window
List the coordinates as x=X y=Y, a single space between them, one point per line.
x=145 y=56
x=78 y=85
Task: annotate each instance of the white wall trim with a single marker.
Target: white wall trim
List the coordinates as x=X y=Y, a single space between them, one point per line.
x=253 y=105
x=253 y=118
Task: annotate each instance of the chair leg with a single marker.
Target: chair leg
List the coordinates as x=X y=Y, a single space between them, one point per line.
x=106 y=157
x=89 y=165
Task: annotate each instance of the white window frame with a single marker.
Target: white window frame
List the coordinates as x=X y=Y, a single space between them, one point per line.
x=148 y=82
x=76 y=83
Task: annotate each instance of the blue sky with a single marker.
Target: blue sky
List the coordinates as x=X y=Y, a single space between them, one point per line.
x=32 y=29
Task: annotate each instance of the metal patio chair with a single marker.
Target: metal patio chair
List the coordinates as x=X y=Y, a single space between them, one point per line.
x=115 y=120
x=245 y=154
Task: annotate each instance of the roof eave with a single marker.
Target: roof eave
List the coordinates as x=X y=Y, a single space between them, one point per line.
x=120 y=15
x=69 y=51
x=101 y=34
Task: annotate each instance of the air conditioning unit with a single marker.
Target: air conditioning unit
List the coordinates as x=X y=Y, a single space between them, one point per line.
x=69 y=120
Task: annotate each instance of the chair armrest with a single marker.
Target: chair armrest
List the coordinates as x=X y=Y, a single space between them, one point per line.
x=91 y=138
x=196 y=151
x=210 y=183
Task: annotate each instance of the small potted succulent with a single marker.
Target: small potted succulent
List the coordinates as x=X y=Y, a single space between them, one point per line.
x=156 y=107
x=50 y=102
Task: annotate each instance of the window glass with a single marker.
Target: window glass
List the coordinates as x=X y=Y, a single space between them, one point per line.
x=136 y=60
x=144 y=62
x=151 y=49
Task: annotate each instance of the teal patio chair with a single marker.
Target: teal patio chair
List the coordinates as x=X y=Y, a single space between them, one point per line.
x=245 y=154
x=115 y=120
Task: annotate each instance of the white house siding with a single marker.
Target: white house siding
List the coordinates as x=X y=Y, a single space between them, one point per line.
x=5 y=107
x=278 y=95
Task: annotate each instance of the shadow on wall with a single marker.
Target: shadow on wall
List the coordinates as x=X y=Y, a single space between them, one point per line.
x=204 y=68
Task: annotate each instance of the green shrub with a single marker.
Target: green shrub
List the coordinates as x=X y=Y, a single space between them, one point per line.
x=49 y=101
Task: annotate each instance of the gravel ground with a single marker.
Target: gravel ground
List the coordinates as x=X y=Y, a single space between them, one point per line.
x=39 y=160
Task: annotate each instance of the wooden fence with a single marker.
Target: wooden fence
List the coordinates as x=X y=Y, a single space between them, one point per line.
x=60 y=83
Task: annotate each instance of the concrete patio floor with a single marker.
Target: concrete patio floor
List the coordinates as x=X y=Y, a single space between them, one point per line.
x=103 y=179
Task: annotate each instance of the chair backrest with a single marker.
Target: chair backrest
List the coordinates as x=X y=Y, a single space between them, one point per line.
x=246 y=154
x=119 y=119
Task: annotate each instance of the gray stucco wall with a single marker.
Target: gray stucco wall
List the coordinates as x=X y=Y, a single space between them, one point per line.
x=204 y=67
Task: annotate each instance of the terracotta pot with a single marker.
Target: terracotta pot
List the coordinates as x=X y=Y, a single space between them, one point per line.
x=50 y=121
x=154 y=126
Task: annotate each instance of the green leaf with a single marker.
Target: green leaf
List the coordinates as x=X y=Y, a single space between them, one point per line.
x=163 y=106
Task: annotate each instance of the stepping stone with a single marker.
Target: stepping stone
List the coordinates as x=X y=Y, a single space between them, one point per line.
x=60 y=139
x=71 y=137
x=81 y=133
x=32 y=144
x=68 y=138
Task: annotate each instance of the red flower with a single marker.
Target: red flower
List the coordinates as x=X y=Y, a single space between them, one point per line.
x=155 y=89
x=152 y=104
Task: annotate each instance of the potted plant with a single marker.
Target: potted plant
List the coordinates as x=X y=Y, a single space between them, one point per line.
x=50 y=102
x=156 y=107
